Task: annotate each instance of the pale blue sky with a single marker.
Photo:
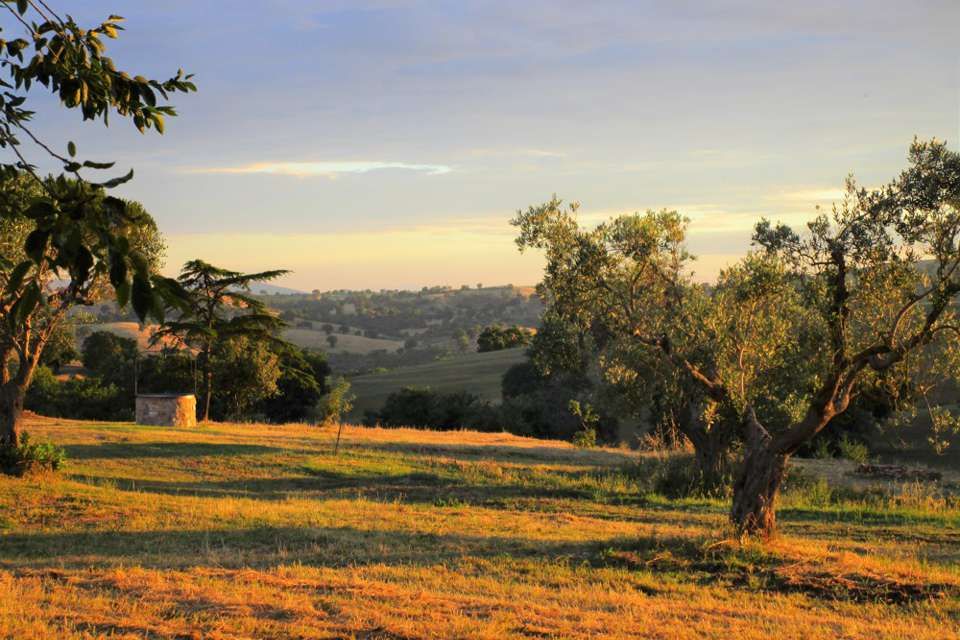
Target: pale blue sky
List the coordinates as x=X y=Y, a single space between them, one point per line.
x=387 y=143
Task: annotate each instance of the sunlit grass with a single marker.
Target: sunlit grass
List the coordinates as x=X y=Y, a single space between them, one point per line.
x=258 y=531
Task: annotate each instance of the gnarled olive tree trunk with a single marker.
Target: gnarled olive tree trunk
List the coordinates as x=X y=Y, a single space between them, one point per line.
x=755 y=492
x=764 y=468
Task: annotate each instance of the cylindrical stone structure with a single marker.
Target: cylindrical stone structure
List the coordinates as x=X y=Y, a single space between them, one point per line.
x=167 y=409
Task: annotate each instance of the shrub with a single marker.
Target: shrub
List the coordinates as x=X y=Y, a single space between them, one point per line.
x=423 y=407
x=679 y=476
x=853 y=450
x=585 y=438
x=79 y=398
x=820 y=449
x=29 y=457
x=805 y=489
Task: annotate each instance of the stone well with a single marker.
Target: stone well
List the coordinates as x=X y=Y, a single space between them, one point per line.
x=167 y=409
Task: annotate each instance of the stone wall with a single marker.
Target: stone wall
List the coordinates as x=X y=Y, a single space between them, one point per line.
x=167 y=410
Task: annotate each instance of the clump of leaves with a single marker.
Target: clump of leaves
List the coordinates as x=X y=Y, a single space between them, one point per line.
x=31 y=457
x=586 y=437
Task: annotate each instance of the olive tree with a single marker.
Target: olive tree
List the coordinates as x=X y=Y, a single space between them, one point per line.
x=626 y=285
x=879 y=277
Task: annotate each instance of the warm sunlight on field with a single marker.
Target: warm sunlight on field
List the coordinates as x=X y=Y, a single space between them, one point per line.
x=258 y=531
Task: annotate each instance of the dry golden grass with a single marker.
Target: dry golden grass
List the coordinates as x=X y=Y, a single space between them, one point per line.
x=254 y=531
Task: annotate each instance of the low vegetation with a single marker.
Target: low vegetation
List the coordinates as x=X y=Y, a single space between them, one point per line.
x=260 y=531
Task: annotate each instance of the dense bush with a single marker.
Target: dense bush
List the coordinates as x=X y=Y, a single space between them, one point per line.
x=80 y=398
x=423 y=407
x=30 y=457
x=679 y=476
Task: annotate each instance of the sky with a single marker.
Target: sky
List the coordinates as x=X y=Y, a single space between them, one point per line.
x=387 y=143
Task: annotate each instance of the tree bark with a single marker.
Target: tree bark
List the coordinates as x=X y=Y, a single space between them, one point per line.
x=11 y=413
x=207 y=385
x=756 y=490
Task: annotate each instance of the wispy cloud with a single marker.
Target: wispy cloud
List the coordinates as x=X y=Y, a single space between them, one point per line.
x=327 y=169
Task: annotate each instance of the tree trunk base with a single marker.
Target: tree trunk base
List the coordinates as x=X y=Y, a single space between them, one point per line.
x=755 y=493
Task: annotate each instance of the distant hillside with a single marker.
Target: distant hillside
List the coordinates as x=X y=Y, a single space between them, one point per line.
x=434 y=315
x=130 y=330
x=312 y=339
x=267 y=289
x=478 y=373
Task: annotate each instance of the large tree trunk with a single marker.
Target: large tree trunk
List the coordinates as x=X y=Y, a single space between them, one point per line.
x=11 y=413
x=755 y=491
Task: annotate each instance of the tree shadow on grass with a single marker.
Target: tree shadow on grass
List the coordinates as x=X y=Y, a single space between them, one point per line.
x=865 y=517
x=656 y=562
x=128 y=450
x=412 y=488
x=503 y=453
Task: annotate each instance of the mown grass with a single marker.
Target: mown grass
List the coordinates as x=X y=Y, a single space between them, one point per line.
x=261 y=532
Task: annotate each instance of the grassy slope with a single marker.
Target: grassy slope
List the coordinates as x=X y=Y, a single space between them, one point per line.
x=478 y=373
x=257 y=531
x=313 y=339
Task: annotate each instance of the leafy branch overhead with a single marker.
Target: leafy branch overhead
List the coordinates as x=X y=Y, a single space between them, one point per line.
x=76 y=224
x=73 y=239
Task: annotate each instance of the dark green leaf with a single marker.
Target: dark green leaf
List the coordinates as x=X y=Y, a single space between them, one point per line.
x=142 y=296
x=36 y=244
x=27 y=303
x=40 y=209
x=115 y=182
x=17 y=275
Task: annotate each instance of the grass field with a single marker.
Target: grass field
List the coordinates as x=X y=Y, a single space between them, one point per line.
x=478 y=373
x=312 y=339
x=260 y=532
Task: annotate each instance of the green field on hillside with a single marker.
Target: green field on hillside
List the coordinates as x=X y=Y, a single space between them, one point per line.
x=478 y=373
x=255 y=531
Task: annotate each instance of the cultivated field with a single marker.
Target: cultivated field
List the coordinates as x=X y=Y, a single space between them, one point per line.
x=478 y=373
x=260 y=532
